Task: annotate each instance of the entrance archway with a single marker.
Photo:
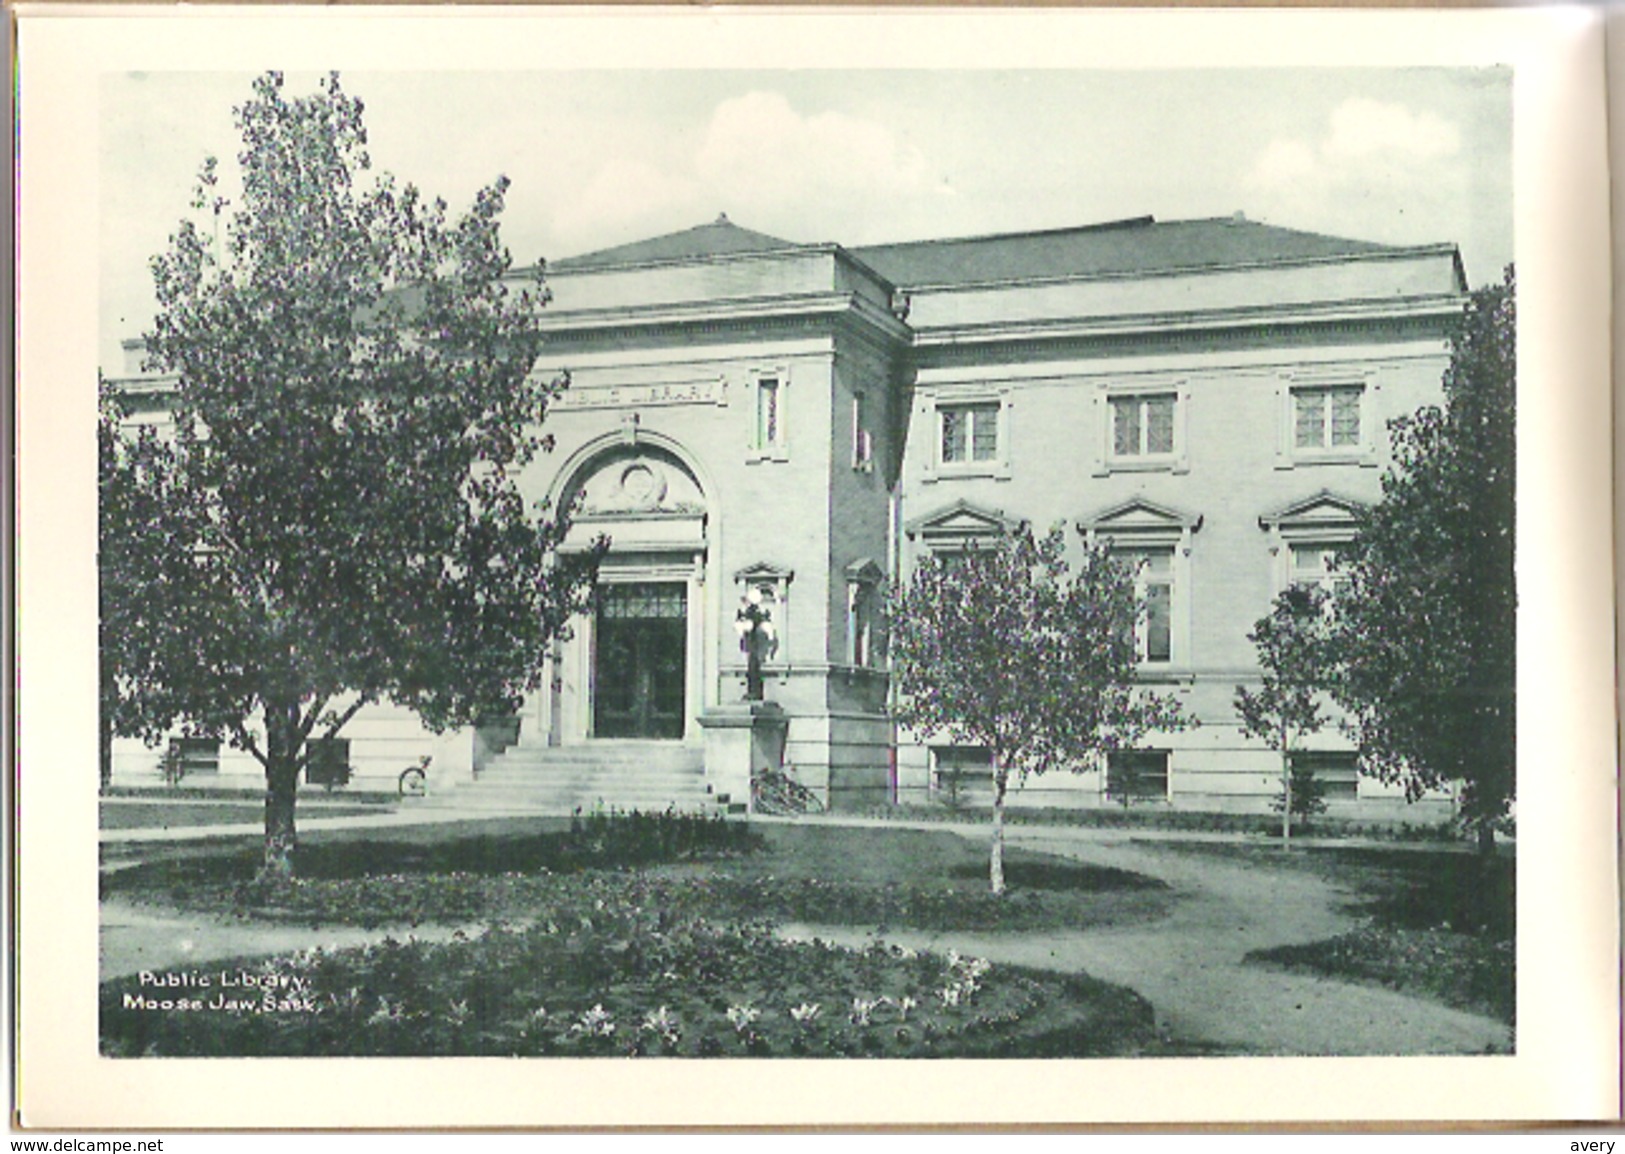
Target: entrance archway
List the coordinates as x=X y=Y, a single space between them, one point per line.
x=634 y=668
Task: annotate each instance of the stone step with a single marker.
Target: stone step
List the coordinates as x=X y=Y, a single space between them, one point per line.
x=564 y=804
x=680 y=757
x=585 y=785
x=623 y=775
x=565 y=771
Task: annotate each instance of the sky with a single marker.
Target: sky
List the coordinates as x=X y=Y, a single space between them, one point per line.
x=861 y=156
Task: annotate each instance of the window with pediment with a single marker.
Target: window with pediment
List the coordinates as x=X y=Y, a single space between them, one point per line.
x=960 y=527
x=1154 y=542
x=864 y=591
x=1308 y=537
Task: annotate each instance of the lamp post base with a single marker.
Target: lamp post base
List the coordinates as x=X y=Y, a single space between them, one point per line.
x=741 y=739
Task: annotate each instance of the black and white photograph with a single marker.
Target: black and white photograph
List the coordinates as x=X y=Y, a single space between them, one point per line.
x=689 y=549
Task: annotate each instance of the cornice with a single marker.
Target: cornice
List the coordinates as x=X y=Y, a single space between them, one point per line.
x=795 y=310
x=1398 y=309
x=1423 y=319
x=1264 y=265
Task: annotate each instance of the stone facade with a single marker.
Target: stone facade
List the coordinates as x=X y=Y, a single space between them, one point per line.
x=803 y=421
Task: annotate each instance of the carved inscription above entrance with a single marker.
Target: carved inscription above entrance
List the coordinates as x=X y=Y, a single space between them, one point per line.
x=707 y=391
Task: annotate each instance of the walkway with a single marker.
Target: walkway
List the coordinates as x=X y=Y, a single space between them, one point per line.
x=1189 y=965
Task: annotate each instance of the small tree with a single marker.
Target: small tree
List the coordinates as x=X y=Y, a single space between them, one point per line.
x=1005 y=648
x=1426 y=638
x=335 y=519
x=1286 y=708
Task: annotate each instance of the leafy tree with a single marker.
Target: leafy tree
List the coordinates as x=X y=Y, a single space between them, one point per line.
x=1004 y=647
x=334 y=519
x=142 y=588
x=1287 y=706
x=1426 y=635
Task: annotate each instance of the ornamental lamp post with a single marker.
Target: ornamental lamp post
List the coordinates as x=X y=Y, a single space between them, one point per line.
x=757 y=639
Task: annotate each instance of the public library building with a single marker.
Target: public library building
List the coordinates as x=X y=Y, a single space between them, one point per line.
x=796 y=424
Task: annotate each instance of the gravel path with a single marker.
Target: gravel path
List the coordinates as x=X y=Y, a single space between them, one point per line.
x=1189 y=964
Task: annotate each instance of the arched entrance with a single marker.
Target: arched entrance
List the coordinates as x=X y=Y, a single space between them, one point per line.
x=634 y=668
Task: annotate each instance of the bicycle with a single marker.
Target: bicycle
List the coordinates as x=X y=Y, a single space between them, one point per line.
x=414 y=779
x=774 y=792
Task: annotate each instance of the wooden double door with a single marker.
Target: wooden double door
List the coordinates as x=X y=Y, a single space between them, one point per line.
x=640 y=667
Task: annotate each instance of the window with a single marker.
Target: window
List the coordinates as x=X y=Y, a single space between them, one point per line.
x=1137 y=775
x=189 y=755
x=328 y=762
x=1139 y=427
x=1327 y=419
x=1308 y=538
x=1316 y=564
x=768 y=585
x=1154 y=542
x=970 y=433
x=1337 y=772
x=1143 y=426
x=863 y=580
x=958 y=771
x=769 y=430
x=1330 y=423
x=863 y=445
x=767 y=403
x=1154 y=590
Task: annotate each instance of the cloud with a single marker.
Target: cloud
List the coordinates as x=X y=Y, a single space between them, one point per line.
x=760 y=146
x=1363 y=128
x=1362 y=137
x=626 y=200
x=1378 y=171
x=1284 y=163
x=769 y=166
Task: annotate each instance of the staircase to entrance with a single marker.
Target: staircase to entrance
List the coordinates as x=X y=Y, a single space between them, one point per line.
x=649 y=776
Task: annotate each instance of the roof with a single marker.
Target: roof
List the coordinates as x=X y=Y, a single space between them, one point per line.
x=1138 y=245
x=722 y=237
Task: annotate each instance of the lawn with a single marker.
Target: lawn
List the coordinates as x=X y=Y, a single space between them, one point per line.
x=1438 y=923
x=632 y=936
x=505 y=869
x=182 y=814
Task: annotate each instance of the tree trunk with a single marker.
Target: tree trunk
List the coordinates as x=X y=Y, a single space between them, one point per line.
x=1486 y=837
x=1001 y=779
x=281 y=786
x=1286 y=809
x=105 y=747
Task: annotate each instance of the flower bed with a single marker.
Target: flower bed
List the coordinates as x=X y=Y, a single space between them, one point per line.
x=594 y=980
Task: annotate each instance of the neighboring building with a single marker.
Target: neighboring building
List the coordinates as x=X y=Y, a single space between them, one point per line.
x=804 y=421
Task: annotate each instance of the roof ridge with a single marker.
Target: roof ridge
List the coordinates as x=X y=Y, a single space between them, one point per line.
x=649 y=249
x=1100 y=226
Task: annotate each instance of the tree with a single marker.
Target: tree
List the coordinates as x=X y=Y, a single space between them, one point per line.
x=1287 y=706
x=1426 y=627
x=142 y=588
x=1003 y=647
x=335 y=519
